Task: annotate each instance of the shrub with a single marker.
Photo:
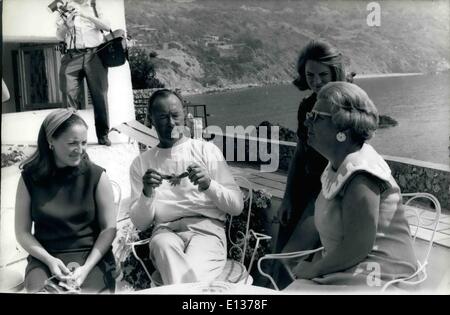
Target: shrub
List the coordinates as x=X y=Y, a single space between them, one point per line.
x=132 y=271
x=143 y=73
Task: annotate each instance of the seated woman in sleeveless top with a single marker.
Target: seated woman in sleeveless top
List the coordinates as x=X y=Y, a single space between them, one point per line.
x=358 y=213
x=70 y=202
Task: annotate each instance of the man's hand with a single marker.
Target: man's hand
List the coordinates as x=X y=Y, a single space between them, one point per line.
x=151 y=180
x=70 y=17
x=199 y=176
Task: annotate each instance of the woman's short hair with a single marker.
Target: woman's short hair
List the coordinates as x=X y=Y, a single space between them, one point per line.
x=161 y=93
x=42 y=163
x=321 y=52
x=351 y=109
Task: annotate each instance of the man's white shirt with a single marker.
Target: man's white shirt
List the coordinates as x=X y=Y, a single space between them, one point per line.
x=169 y=203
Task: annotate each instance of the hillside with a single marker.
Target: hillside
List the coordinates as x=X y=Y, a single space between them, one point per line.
x=219 y=43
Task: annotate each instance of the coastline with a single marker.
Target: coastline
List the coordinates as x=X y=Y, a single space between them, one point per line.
x=217 y=89
x=382 y=75
x=240 y=86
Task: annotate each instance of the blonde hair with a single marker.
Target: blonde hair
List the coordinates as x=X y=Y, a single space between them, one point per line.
x=351 y=109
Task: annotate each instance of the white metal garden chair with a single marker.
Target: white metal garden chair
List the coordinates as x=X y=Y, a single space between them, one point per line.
x=118 y=254
x=422 y=222
x=234 y=271
x=117 y=197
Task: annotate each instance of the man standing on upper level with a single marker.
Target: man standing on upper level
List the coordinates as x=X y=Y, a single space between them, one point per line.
x=79 y=26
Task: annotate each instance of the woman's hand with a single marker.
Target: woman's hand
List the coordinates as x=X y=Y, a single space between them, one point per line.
x=58 y=269
x=304 y=270
x=199 y=176
x=79 y=274
x=285 y=212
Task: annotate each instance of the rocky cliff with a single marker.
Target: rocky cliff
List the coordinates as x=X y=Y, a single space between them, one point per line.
x=218 y=43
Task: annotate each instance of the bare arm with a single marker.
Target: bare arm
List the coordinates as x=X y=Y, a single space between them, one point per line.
x=23 y=223
x=360 y=205
x=104 y=199
x=5 y=92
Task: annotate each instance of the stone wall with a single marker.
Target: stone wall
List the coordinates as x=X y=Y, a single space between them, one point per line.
x=419 y=176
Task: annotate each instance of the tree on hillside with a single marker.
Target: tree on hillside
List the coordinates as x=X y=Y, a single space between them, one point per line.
x=143 y=73
x=250 y=41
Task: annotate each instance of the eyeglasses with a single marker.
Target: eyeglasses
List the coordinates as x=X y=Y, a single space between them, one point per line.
x=312 y=115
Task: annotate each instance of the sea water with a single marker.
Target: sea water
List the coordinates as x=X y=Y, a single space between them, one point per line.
x=420 y=104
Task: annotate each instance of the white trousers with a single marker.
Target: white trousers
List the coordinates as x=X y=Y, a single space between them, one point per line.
x=191 y=249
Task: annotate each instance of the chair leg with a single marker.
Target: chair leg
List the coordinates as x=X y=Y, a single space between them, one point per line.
x=133 y=248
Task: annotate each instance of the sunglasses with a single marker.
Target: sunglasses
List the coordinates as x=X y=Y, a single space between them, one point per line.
x=312 y=115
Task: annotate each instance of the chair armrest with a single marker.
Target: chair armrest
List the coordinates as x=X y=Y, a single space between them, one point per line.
x=420 y=271
x=284 y=256
x=140 y=242
x=293 y=254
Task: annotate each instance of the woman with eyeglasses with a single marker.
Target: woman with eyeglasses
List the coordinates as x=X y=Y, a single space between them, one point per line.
x=318 y=64
x=358 y=213
x=65 y=215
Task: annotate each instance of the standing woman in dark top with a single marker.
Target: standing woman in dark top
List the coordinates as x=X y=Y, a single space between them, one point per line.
x=70 y=202
x=318 y=64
